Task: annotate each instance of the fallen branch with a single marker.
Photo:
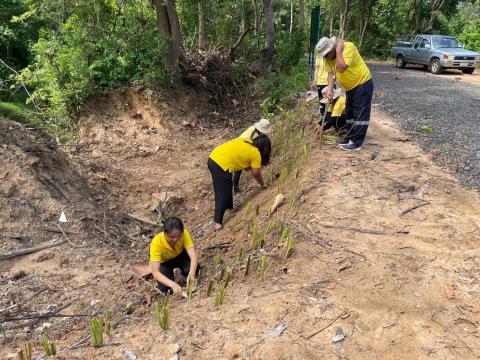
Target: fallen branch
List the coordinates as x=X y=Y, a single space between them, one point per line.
x=414 y=208
x=55 y=230
x=325 y=327
x=66 y=238
x=31 y=250
x=142 y=219
x=42 y=316
x=310 y=234
x=224 y=245
x=365 y=231
x=23 y=303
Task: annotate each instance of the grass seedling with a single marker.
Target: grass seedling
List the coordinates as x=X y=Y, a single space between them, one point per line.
x=162 y=313
x=220 y=296
x=218 y=260
x=26 y=351
x=264 y=268
x=209 y=288
x=284 y=234
x=257 y=209
x=96 y=331
x=229 y=277
x=200 y=276
x=239 y=254
x=48 y=347
x=289 y=247
x=107 y=322
x=190 y=288
x=247 y=266
x=222 y=272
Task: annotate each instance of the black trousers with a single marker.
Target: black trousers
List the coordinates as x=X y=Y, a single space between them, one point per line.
x=336 y=121
x=181 y=262
x=357 y=112
x=236 y=179
x=322 y=106
x=223 y=189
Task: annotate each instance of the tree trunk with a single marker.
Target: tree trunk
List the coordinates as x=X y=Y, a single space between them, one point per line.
x=201 y=26
x=344 y=20
x=417 y=4
x=170 y=61
x=301 y=9
x=435 y=7
x=291 y=17
x=256 y=18
x=270 y=30
x=174 y=26
x=365 y=13
x=331 y=25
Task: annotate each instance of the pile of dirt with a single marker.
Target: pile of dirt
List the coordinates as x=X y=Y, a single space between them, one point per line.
x=38 y=183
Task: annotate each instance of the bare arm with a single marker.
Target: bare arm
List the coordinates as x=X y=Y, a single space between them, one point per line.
x=162 y=279
x=257 y=174
x=341 y=65
x=331 y=82
x=193 y=262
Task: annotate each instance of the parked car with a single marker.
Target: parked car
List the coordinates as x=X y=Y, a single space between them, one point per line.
x=435 y=53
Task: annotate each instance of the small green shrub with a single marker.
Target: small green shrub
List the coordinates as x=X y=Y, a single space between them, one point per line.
x=48 y=347
x=162 y=314
x=220 y=296
x=96 y=331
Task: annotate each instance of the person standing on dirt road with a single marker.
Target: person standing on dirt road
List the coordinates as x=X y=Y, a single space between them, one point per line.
x=344 y=62
x=235 y=155
x=261 y=127
x=173 y=248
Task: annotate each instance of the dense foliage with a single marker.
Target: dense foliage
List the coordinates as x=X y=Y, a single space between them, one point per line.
x=55 y=53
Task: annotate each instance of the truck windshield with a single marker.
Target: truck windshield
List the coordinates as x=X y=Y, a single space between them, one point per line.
x=445 y=42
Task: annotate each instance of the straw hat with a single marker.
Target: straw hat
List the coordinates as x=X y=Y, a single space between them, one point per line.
x=263 y=126
x=325 y=44
x=336 y=93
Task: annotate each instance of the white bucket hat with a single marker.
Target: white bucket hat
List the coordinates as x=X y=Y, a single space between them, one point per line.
x=325 y=44
x=263 y=126
x=336 y=93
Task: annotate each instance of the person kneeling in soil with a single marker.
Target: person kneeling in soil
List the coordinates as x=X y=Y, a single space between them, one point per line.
x=173 y=248
x=235 y=155
x=336 y=111
x=261 y=127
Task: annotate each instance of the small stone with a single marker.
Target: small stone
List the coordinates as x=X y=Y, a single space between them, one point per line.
x=339 y=335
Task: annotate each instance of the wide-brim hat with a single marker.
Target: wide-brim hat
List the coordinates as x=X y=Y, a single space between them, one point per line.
x=336 y=93
x=263 y=126
x=325 y=45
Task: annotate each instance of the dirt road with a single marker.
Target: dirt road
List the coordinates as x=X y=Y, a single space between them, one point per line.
x=441 y=112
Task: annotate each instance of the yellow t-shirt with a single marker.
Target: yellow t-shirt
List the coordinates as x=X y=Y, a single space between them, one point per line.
x=161 y=251
x=322 y=73
x=338 y=108
x=247 y=134
x=238 y=154
x=357 y=72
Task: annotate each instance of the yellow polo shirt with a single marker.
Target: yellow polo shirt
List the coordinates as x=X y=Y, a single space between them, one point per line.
x=238 y=154
x=338 y=108
x=247 y=134
x=322 y=73
x=160 y=249
x=357 y=72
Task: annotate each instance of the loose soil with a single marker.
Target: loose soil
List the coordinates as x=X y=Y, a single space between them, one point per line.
x=398 y=286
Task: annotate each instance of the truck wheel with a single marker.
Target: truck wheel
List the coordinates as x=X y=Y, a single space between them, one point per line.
x=435 y=67
x=468 y=71
x=401 y=62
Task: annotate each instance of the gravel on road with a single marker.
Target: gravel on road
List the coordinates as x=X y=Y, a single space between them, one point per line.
x=443 y=115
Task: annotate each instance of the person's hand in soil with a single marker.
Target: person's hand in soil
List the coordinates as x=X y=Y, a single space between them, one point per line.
x=191 y=277
x=177 y=289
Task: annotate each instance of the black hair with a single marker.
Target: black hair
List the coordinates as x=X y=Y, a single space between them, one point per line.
x=263 y=144
x=172 y=223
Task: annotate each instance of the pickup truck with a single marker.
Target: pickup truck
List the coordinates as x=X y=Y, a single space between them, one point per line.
x=435 y=53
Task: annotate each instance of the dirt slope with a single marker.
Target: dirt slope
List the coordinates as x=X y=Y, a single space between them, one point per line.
x=357 y=262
